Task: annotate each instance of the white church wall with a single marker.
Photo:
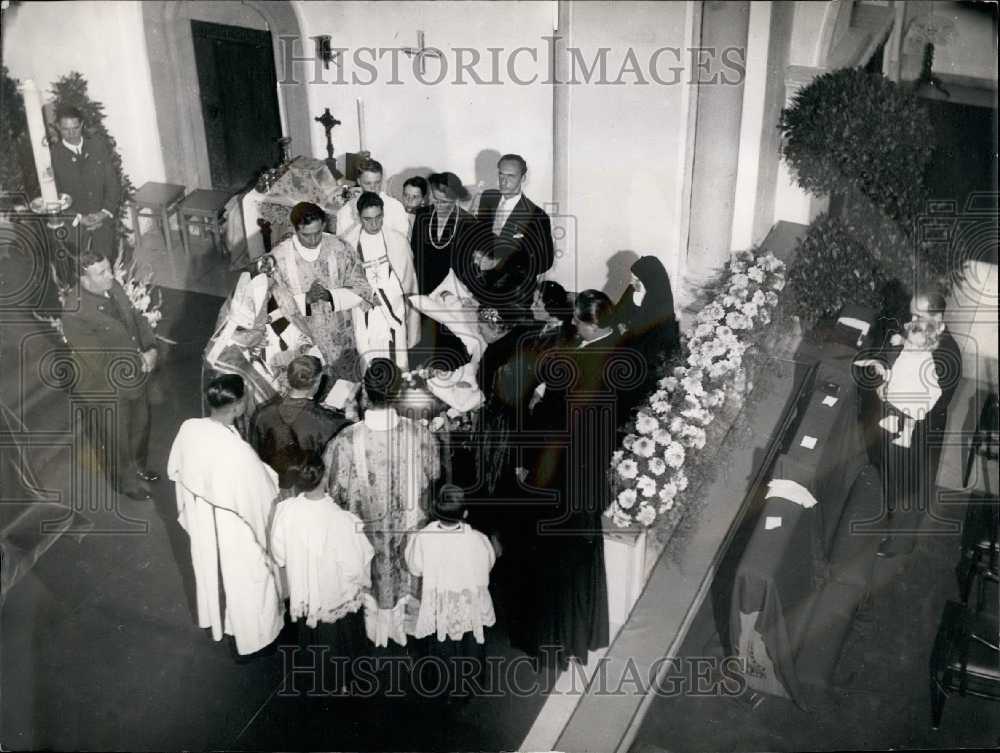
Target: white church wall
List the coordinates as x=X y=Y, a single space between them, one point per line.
x=625 y=140
x=457 y=124
x=103 y=41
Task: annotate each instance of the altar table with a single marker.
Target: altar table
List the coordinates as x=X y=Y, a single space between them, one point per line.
x=304 y=179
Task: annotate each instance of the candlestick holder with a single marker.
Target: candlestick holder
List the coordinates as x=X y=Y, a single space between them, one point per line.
x=53 y=210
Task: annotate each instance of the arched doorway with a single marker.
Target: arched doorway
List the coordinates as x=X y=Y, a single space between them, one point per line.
x=176 y=91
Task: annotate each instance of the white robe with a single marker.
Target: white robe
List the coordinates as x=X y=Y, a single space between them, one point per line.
x=394 y=216
x=225 y=495
x=389 y=269
x=326 y=555
x=455 y=565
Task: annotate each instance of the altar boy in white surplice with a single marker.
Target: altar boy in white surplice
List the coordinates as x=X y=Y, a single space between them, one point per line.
x=392 y=326
x=225 y=494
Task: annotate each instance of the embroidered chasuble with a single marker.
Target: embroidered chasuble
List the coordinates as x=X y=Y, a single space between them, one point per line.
x=329 y=326
x=382 y=470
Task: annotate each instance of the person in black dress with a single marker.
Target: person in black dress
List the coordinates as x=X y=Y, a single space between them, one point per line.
x=577 y=415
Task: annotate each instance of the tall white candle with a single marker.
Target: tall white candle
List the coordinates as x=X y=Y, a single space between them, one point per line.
x=39 y=144
x=361 y=125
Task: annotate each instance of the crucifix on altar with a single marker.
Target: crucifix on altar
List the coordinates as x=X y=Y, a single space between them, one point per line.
x=421 y=53
x=328 y=122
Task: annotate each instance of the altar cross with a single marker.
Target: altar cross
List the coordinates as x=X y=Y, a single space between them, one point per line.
x=422 y=53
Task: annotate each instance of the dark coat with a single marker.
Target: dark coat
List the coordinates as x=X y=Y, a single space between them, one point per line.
x=89 y=179
x=107 y=335
x=524 y=247
x=284 y=431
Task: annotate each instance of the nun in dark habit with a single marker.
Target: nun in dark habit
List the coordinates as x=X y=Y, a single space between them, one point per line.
x=645 y=317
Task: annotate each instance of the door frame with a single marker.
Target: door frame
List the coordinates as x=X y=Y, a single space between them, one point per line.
x=176 y=94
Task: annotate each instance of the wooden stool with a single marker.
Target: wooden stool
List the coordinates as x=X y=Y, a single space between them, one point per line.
x=156 y=201
x=204 y=209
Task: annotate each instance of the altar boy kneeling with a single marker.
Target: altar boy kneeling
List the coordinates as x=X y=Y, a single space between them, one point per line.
x=455 y=561
x=327 y=561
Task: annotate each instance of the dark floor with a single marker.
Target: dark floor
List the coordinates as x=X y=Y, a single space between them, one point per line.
x=100 y=650
x=879 y=697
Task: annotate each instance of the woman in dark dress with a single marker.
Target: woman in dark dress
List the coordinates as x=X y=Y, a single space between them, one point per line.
x=645 y=317
x=578 y=416
x=442 y=238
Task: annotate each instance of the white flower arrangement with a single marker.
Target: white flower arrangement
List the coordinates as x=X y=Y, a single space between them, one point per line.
x=139 y=290
x=669 y=429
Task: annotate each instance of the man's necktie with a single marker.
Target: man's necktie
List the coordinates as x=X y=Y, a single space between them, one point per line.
x=500 y=217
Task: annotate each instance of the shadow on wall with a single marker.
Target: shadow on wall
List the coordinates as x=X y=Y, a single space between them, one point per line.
x=619 y=273
x=394 y=185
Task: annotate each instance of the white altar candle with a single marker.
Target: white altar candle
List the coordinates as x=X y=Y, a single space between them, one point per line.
x=39 y=144
x=361 y=125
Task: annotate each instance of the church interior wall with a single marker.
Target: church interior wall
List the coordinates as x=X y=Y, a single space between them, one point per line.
x=415 y=126
x=103 y=41
x=625 y=142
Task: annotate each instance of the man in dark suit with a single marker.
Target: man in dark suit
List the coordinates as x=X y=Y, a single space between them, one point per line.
x=909 y=469
x=113 y=347
x=83 y=169
x=522 y=242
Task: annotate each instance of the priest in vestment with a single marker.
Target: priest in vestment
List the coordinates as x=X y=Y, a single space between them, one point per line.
x=370 y=180
x=225 y=495
x=383 y=469
x=392 y=326
x=317 y=282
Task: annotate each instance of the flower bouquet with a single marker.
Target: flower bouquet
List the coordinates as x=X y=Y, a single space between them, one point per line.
x=662 y=448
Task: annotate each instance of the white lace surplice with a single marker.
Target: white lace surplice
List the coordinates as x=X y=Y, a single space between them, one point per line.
x=326 y=556
x=455 y=565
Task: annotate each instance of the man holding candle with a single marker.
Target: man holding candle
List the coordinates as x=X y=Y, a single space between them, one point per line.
x=84 y=170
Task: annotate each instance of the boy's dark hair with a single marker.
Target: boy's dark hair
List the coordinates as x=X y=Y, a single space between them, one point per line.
x=224 y=390
x=449 y=506
x=307 y=474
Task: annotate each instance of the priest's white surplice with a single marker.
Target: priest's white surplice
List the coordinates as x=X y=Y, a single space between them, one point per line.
x=225 y=495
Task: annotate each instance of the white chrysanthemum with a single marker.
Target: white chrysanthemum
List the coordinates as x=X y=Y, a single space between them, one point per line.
x=666 y=506
x=646 y=424
x=756 y=274
x=662 y=437
x=674 y=455
x=629 y=441
x=718 y=370
x=646 y=515
x=759 y=298
x=737 y=320
x=695 y=438
x=646 y=486
x=705 y=329
x=677 y=425
x=669 y=384
x=749 y=309
x=644 y=447
x=717 y=348
x=681 y=479
x=628 y=469
x=656 y=466
x=711 y=313
x=626 y=498
x=680 y=372
x=660 y=394
x=771 y=298
x=736 y=266
x=693 y=385
x=661 y=407
x=778 y=283
x=668 y=491
x=616 y=458
x=765 y=317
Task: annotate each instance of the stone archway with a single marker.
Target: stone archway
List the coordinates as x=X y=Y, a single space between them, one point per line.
x=175 y=80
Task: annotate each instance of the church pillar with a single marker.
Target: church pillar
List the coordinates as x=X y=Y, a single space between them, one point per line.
x=724 y=25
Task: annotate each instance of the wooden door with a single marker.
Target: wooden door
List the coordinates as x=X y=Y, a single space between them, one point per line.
x=239 y=101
